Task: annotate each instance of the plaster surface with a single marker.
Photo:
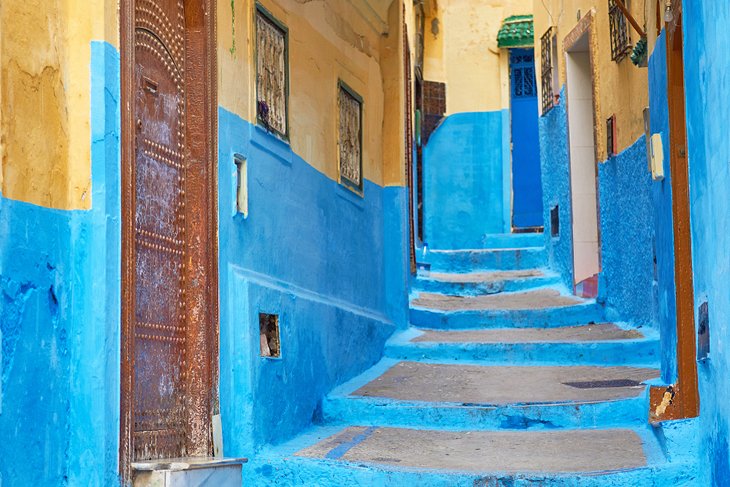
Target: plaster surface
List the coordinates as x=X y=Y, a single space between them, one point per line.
x=707 y=62
x=462 y=176
x=416 y=381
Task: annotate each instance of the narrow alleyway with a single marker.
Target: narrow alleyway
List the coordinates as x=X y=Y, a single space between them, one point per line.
x=503 y=379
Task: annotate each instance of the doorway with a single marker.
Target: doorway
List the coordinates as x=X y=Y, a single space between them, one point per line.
x=169 y=270
x=582 y=148
x=526 y=177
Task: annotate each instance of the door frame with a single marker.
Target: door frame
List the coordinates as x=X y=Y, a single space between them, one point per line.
x=208 y=47
x=585 y=26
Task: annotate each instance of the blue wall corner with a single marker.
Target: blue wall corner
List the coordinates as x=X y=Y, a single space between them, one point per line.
x=663 y=220
x=555 y=169
x=463 y=178
x=328 y=262
x=707 y=62
x=60 y=318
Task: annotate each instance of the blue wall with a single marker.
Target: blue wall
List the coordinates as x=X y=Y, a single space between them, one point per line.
x=463 y=180
x=322 y=258
x=59 y=317
x=626 y=228
x=555 y=168
x=707 y=64
x=663 y=222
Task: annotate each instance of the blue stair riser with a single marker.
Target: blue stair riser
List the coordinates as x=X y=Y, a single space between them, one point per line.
x=498 y=259
x=371 y=411
x=307 y=472
x=581 y=314
x=506 y=241
x=481 y=288
x=637 y=353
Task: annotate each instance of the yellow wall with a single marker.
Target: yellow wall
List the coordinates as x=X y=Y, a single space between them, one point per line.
x=461 y=51
x=44 y=97
x=328 y=40
x=621 y=87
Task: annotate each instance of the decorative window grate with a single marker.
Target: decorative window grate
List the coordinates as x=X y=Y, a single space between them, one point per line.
x=350 y=137
x=523 y=75
x=620 y=41
x=547 y=69
x=272 y=72
x=434 y=107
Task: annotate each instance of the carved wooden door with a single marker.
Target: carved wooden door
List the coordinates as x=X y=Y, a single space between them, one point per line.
x=168 y=258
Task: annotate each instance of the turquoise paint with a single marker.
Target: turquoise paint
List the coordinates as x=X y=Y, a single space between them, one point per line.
x=329 y=262
x=582 y=314
x=627 y=229
x=485 y=260
x=59 y=274
x=707 y=62
x=664 y=290
x=555 y=169
x=640 y=352
x=463 y=181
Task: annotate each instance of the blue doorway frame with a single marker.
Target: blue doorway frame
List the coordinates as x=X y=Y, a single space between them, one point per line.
x=527 y=208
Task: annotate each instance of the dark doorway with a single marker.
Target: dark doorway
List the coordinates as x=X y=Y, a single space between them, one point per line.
x=169 y=272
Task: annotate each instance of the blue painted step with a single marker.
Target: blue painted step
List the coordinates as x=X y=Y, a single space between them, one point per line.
x=474 y=284
x=294 y=465
x=509 y=240
x=484 y=259
x=505 y=346
x=576 y=314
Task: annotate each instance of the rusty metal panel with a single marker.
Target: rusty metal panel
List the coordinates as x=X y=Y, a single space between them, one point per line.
x=350 y=136
x=271 y=72
x=169 y=286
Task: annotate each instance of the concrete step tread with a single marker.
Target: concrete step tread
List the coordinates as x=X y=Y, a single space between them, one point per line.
x=485 y=451
x=485 y=250
x=529 y=300
x=570 y=334
x=483 y=277
x=503 y=385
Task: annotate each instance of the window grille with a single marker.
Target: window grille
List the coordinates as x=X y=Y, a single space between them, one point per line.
x=620 y=41
x=523 y=75
x=272 y=84
x=350 y=137
x=546 y=62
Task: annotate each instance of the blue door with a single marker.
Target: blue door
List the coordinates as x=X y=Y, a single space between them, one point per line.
x=526 y=181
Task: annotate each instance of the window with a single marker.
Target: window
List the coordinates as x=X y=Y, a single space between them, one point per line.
x=549 y=72
x=350 y=137
x=620 y=41
x=272 y=73
x=522 y=67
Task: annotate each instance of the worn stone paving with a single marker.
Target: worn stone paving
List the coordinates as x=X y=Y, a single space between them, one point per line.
x=588 y=333
x=539 y=299
x=485 y=277
x=475 y=384
x=486 y=451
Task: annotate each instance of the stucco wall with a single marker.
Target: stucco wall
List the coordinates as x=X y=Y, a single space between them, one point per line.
x=329 y=262
x=707 y=62
x=622 y=86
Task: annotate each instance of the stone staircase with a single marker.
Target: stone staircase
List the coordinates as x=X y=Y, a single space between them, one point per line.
x=502 y=379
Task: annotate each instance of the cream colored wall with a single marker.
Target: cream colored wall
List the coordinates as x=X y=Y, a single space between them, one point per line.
x=45 y=49
x=622 y=88
x=463 y=53
x=328 y=40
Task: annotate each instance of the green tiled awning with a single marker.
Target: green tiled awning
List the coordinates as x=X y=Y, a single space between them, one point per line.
x=516 y=31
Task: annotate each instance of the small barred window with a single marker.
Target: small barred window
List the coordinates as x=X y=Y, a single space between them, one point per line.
x=620 y=41
x=350 y=137
x=271 y=73
x=548 y=71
